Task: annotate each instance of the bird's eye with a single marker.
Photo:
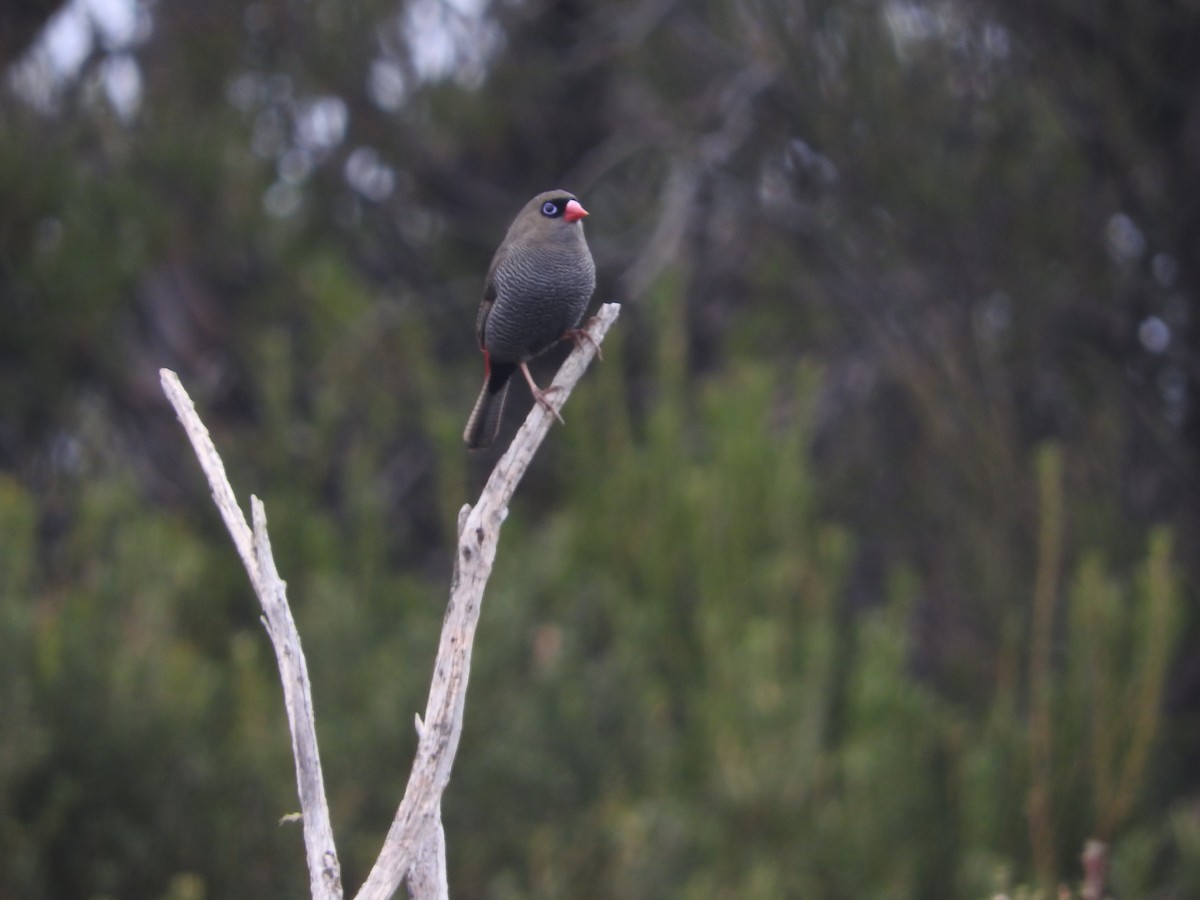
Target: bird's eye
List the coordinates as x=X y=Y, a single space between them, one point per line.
x=550 y=208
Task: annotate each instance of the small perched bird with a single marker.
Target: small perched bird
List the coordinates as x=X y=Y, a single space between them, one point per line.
x=536 y=290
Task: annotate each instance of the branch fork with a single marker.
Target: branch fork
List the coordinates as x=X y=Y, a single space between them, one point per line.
x=414 y=849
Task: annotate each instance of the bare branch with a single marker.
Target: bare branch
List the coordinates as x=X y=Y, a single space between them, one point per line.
x=1095 y=870
x=478 y=533
x=427 y=879
x=415 y=845
x=254 y=547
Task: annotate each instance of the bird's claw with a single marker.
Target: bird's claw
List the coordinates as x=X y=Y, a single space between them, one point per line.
x=544 y=402
x=579 y=335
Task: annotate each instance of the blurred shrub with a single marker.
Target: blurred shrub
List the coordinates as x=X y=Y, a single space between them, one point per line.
x=671 y=697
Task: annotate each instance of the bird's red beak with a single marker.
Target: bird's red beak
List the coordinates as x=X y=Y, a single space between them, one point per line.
x=574 y=211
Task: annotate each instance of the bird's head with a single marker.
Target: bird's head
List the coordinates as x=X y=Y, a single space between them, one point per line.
x=551 y=215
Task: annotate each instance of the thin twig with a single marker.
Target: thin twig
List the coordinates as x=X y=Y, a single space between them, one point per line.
x=1095 y=870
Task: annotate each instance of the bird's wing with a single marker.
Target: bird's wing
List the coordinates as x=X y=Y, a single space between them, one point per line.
x=489 y=295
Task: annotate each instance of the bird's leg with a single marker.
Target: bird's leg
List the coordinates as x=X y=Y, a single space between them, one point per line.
x=540 y=396
x=579 y=335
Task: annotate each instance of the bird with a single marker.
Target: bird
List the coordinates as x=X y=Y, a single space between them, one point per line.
x=535 y=293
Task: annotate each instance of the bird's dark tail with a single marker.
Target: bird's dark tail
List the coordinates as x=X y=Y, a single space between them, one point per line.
x=484 y=423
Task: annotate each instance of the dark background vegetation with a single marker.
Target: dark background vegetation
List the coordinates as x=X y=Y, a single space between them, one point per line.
x=865 y=565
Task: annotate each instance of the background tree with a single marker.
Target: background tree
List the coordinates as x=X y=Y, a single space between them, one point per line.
x=897 y=526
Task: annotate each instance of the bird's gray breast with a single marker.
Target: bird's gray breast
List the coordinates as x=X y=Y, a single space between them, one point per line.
x=539 y=294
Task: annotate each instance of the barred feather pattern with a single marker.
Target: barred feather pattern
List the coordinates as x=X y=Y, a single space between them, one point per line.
x=540 y=293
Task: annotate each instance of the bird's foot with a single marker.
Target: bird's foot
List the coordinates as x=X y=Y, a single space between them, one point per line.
x=544 y=402
x=540 y=396
x=579 y=335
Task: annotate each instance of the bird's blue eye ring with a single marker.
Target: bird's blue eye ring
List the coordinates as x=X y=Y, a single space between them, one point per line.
x=550 y=208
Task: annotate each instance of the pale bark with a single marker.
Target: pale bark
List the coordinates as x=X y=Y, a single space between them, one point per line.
x=414 y=848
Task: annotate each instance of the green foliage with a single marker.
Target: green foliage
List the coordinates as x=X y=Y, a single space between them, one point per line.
x=120 y=730
x=860 y=569
x=685 y=689
x=669 y=697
